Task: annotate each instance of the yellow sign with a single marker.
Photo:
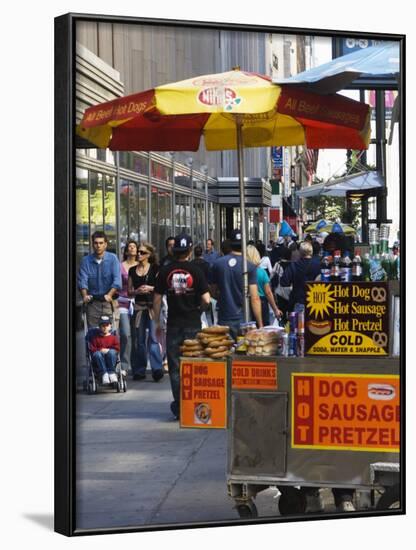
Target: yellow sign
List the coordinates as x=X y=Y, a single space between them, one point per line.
x=346 y=319
x=203 y=393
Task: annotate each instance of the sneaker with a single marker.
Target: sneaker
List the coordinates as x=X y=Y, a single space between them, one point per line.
x=174 y=407
x=157 y=375
x=113 y=377
x=139 y=376
x=346 y=506
x=105 y=379
x=313 y=504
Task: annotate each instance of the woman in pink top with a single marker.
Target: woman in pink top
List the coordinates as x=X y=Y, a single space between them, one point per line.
x=127 y=350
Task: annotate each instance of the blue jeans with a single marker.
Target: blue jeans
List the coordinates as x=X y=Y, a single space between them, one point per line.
x=127 y=347
x=174 y=339
x=147 y=348
x=104 y=362
x=234 y=326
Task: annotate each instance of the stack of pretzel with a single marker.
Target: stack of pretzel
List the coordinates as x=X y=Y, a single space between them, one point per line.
x=214 y=342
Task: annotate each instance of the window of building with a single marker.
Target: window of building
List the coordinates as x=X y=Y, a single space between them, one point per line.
x=182 y=213
x=199 y=221
x=161 y=207
x=160 y=171
x=133 y=211
x=96 y=202
x=136 y=162
x=110 y=217
x=82 y=215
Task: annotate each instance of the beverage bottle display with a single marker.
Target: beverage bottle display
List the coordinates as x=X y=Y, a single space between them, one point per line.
x=384 y=250
x=357 y=268
x=393 y=266
x=377 y=272
x=346 y=267
x=326 y=267
x=374 y=239
x=366 y=268
x=335 y=271
x=293 y=344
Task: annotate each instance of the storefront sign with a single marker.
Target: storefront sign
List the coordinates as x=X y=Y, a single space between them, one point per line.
x=346 y=412
x=250 y=375
x=346 y=319
x=203 y=394
x=277 y=157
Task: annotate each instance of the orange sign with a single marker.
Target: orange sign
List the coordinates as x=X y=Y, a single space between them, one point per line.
x=357 y=412
x=250 y=375
x=203 y=394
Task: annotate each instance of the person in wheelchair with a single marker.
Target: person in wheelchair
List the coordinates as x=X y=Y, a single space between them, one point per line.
x=104 y=347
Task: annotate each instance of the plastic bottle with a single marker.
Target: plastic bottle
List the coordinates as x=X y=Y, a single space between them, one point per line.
x=377 y=272
x=326 y=267
x=366 y=267
x=357 y=268
x=335 y=271
x=346 y=267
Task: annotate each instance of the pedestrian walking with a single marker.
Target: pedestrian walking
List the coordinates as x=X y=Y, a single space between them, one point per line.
x=200 y=262
x=210 y=254
x=169 y=255
x=141 y=283
x=186 y=289
x=227 y=287
x=264 y=258
x=126 y=309
x=99 y=280
x=263 y=287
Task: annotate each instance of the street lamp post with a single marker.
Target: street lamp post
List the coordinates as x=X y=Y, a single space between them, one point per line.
x=204 y=170
x=173 y=209
x=189 y=163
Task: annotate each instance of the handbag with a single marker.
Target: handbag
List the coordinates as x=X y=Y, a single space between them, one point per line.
x=282 y=291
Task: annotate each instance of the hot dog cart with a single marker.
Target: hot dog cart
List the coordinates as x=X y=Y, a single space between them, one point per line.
x=324 y=421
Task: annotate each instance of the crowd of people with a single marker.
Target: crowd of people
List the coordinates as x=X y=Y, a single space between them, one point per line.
x=156 y=305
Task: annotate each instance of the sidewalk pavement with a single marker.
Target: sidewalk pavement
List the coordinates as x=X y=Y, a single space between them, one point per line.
x=135 y=466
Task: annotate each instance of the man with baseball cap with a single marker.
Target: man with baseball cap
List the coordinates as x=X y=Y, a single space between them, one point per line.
x=187 y=293
x=227 y=276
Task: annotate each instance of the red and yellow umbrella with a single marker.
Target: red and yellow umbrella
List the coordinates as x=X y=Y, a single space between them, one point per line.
x=173 y=117
x=232 y=110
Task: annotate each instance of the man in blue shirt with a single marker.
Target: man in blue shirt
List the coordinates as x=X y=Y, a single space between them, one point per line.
x=99 y=279
x=210 y=255
x=227 y=278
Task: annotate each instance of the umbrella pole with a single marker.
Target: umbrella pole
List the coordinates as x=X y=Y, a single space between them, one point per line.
x=239 y=127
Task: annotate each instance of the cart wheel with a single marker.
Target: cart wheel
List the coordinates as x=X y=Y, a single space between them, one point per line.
x=118 y=386
x=291 y=501
x=247 y=510
x=390 y=499
x=124 y=385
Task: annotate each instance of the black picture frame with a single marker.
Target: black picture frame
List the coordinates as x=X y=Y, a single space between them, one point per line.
x=65 y=395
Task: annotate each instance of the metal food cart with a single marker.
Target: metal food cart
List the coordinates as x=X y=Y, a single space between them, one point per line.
x=316 y=421
x=300 y=422
x=263 y=452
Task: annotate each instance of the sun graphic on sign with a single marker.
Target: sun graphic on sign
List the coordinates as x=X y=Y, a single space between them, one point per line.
x=319 y=298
